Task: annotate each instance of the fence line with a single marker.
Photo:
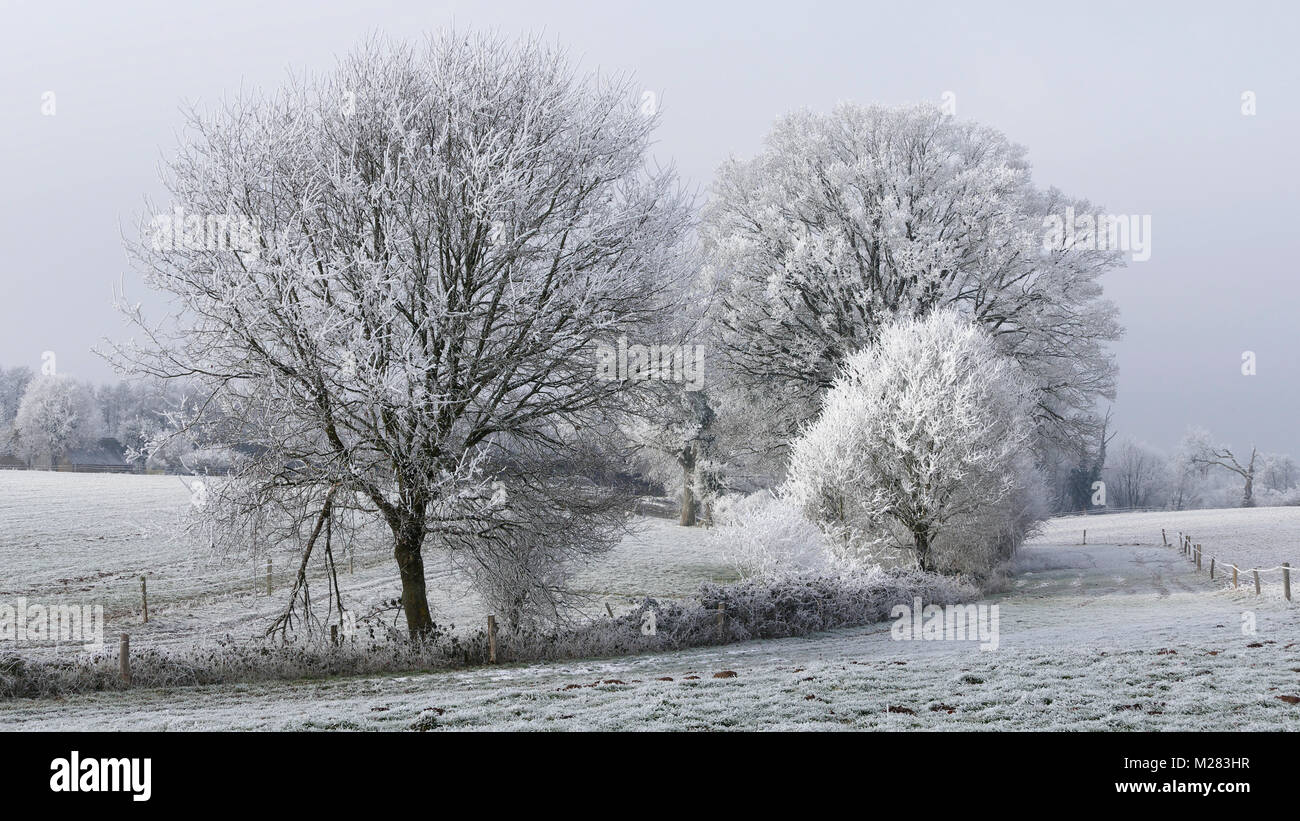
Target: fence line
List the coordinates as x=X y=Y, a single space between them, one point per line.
x=1102 y=511
x=1195 y=553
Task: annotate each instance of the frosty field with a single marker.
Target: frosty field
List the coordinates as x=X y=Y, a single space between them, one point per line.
x=88 y=538
x=1119 y=634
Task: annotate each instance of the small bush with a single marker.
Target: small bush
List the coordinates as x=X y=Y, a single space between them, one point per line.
x=766 y=534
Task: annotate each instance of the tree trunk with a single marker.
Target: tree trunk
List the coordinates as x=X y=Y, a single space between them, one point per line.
x=1248 y=500
x=921 y=540
x=408 y=542
x=688 y=501
x=687 y=461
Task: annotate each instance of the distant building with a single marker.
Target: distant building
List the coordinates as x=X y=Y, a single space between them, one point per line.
x=104 y=455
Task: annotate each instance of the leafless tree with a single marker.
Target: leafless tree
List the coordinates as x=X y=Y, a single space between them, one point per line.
x=431 y=242
x=1206 y=454
x=850 y=218
x=1278 y=471
x=1134 y=475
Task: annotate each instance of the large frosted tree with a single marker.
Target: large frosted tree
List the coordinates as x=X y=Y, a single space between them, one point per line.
x=848 y=219
x=439 y=238
x=56 y=414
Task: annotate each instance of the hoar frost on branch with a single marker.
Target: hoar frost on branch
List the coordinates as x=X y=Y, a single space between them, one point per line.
x=921 y=449
x=848 y=219
x=55 y=415
x=447 y=231
x=1201 y=451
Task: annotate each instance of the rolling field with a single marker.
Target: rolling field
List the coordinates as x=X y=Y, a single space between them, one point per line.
x=1119 y=634
x=80 y=538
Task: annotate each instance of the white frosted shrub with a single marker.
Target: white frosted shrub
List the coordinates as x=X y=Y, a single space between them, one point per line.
x=921 y=451
x=766 y=534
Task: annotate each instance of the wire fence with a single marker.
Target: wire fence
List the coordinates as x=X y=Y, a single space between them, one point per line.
x=130 y=596
x=1195 y=553
x=1101 y=511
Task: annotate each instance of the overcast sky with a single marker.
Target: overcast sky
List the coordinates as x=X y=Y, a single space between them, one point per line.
x=1137 y=107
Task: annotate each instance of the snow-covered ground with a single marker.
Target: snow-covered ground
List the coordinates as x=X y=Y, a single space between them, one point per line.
x=86 y=539
x=1122 y=633
x=1258 y=538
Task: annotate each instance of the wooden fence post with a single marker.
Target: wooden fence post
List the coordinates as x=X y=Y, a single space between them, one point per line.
x=492 y=639
x=144 y=599
x=1286 y=579
x=609 y=610
x=1085 y=535
x=1256 y=572
x=1234 y=577
x=124 y=658
x=1198 y=557
x=1163 y=539
x=268 y=577
x=1211 y=568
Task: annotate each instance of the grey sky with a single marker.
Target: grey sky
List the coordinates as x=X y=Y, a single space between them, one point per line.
x=1135 y=106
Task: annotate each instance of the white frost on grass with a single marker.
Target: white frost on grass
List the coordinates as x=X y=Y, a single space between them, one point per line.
x=1108 y=637
x=1261 y=537
x=81 y=538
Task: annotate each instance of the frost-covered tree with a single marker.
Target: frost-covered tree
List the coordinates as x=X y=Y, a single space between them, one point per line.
x=57 y=414
x=848 y=219
x=1204 y=452
x=13 y=384
x=672 y=424
x=1188 y=481
x=441 y=237
x=1278 y=471
x=137 y=413
x=1135 y=475
x=676 y=435
x=1074 y=469
x=921 y=448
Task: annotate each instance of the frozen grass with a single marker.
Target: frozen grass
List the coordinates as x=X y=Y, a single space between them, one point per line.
x=1113 y=638
x=718 y=614
x=1120 y=634
x=76 y=538
x=1261 y=537
x=1097 y=638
